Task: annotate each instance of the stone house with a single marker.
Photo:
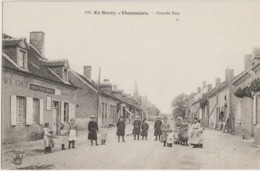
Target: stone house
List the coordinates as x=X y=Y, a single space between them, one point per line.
x=194 y=109
x=247 y=108
x=35 y=90
x=102 y=104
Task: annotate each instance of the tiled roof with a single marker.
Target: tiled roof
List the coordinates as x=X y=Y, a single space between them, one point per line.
x=55 y=63
x=35 y=67
x=92 y=83
x=11 y=42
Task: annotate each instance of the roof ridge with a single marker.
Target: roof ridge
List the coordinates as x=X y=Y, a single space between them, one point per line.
x=34 y=48
x=78 y=75
x=57 y=60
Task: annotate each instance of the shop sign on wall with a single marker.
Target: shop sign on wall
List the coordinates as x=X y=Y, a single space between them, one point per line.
x=42 y=89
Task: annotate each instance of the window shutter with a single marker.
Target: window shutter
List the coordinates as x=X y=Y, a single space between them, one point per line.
x=41 y=111
x=70 y=111
x=62 y=112
x=29 y=110
x=13 y=110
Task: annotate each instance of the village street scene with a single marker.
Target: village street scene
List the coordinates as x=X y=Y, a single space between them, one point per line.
x=111 y=92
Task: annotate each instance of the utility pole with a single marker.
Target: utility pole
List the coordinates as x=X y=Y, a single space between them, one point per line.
x=98 y=94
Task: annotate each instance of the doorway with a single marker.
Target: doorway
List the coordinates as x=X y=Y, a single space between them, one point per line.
x=55 y=118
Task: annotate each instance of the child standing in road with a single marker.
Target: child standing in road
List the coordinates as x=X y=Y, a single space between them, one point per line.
x=103 y=134
x=64 y=137
x=73 y=130
x=176 y=136
x=144 y=127
x=201 y=139
x=169 y=138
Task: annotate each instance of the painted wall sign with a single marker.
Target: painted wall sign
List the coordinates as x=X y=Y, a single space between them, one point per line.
x=12 y=81
x=42 y=89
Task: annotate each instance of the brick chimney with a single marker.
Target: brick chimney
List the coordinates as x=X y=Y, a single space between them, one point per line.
x=247 y=62
x=204 y=84
x=37 y=39
x=217 y=81
x=115 y=87
x=198 y=89
x=229 y=74
x=256 y=56
x=87 y=71
x=106 y=81
x=209 y=87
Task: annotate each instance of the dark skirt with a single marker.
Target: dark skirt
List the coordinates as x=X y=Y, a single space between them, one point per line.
x=157 y=132
x=136 y=131
x=92 y=135
x=144 y=133
x=120 y=132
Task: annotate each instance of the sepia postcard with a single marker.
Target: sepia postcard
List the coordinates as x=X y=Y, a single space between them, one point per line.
x=130 y=85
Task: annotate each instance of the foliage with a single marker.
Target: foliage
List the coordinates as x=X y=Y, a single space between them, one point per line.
x=203 y=103
x=239 y=93
x=255 y=85
x=245 y=92
x=179 y=105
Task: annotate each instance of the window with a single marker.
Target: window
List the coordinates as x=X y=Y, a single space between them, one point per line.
x=66 y=112
x=21 y=110
x=36 y=111
x=65 y=75
x=102 y=110
x=105 y=110
x=21 y=59
x=221 y=116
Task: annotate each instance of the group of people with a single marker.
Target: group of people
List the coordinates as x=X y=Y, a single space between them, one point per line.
x=67 y=135
x=180 y=134
x=162 y=132
x=139 y=128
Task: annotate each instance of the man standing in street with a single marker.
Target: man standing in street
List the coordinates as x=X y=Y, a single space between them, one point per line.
x=120 y=129
x=157 y=128
x=137 y=126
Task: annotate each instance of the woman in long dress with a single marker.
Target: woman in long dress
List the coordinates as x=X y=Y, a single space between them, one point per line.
x=164 y=128
x=92 y=130
x=157 y=128
x=194 y=138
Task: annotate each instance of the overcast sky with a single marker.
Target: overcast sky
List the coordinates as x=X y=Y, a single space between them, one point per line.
x=164 y=55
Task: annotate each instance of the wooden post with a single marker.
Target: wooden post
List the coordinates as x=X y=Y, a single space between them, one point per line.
x=98 y=98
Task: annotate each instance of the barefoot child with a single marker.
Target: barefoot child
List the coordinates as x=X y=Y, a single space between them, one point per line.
x=103 y=134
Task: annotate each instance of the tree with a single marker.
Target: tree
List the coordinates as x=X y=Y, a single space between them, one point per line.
x=178 y=105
